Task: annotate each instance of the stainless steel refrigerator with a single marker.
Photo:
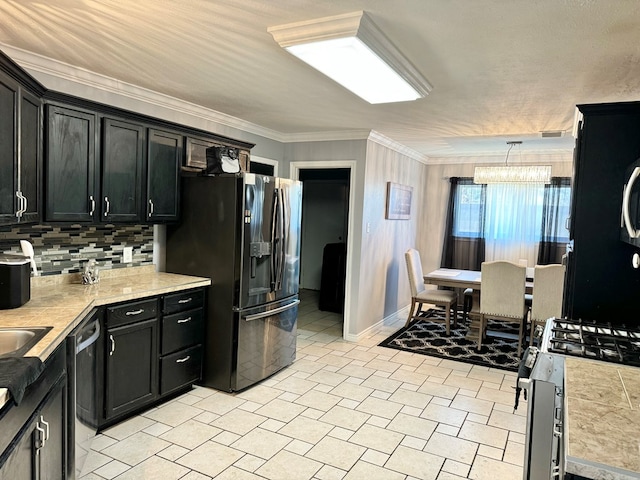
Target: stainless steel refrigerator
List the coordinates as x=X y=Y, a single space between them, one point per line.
x=242 y=231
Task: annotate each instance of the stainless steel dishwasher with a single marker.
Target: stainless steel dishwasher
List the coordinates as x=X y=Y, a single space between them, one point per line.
x=85 y=388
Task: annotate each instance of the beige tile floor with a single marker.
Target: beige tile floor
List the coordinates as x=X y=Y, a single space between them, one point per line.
x=342 y=411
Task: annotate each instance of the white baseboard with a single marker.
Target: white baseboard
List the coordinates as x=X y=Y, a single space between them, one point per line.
x=376 y=327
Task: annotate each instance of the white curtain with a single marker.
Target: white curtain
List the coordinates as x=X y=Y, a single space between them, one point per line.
x=513 y=217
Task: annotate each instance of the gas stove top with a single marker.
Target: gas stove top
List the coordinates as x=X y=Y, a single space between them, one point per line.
x=594 y=340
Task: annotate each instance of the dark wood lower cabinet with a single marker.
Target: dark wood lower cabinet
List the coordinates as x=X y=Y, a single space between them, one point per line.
x=51 y=452
x=131 y=367
x=38 y=449
x=20 y=465
x=153 y=349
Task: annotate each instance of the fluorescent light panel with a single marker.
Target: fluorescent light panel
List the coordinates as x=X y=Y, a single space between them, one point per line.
x=513 y=174
x=351 y=50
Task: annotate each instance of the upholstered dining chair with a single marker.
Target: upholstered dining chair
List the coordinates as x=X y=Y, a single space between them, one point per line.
x=548 y=293
x=446 y=299
x=502 y=296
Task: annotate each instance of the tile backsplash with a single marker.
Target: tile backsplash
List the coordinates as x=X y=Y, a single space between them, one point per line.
x=66 y=248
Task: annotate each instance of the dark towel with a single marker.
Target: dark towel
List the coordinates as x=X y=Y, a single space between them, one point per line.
x=17 y=373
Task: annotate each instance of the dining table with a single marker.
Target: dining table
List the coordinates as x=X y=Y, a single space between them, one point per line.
x=463 y=279
x=457 y=278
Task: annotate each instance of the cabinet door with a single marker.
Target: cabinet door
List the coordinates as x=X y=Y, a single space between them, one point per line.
x=20 y=465
x=9 y=150
x=71 y=165
x=163 y=176
x=122 y=167
x=52 y=417
x=131 y=363
x=30 y=156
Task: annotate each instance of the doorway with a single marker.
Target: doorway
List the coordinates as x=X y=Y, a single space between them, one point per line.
x=327 y=208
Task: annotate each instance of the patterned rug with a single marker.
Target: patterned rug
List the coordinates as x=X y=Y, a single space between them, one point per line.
x=499 y=349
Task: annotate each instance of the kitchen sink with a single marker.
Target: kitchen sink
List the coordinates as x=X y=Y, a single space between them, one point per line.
x=18 y=341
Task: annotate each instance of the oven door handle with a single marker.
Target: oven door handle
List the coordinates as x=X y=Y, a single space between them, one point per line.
x=626 y=214
x=524 y=372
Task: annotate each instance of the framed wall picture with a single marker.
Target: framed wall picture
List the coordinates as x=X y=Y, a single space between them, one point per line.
x=398 y=201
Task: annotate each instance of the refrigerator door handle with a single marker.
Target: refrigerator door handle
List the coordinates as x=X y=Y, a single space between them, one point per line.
x=280 y=234
x=274 y=239
x=275 y=311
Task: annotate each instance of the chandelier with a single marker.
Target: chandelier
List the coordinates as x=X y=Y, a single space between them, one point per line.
x=513 y=173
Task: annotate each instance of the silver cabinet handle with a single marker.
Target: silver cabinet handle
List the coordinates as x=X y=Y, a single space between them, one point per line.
x=182 y=360
x=134 y=312
x=184 y=320
x=19 y=210
x=46 y=426
x=113 y=345
x=106 y=210
x=150 y=207
x=23 y=204
x=42 y=438
x=93 y=204
x=185 y=300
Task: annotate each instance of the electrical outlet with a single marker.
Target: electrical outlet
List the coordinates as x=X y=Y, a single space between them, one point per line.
x=127 y=254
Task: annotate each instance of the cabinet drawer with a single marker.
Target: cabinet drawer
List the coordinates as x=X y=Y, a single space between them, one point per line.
x=180 y=369
x=182 y=301
x=181 y=330
x=132 y=312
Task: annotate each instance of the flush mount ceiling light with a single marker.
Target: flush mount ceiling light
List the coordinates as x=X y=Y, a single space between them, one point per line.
x=351 y=50
x=513 y=173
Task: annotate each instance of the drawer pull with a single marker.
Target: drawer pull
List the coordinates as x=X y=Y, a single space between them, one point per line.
x=184 y=320
x=135 y=312
x=113 y=345
x=185 y=300
x=182 y=360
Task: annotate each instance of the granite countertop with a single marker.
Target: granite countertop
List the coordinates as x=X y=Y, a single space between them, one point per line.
x=62 y=301
x=602 y=424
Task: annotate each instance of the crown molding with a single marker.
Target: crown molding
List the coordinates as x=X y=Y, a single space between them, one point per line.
x=327 y=136
x=380 y=139
x=35 y=63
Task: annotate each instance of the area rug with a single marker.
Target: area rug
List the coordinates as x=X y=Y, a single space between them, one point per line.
x=427 y=337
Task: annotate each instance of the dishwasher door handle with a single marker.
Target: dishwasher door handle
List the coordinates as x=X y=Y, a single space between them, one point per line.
x=91 y=340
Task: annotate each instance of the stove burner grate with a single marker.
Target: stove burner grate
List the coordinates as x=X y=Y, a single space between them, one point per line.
x=598 y=341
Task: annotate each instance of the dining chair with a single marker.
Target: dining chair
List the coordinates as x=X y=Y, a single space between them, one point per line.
x=502 y=296
x=548 y=293
x=446 y=299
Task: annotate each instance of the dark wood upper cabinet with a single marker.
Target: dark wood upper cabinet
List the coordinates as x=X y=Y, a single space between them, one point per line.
x=122 y=170
x=20 y=154
x=9 y=150
x=71 y=173
x=31 y=156
x=163 y=176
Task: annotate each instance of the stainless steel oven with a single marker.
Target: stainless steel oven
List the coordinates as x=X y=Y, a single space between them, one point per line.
x=544 y=448
x=545 y=386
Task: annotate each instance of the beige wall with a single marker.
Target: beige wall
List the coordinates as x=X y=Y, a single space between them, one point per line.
x=383 y=283
x=436 y=195
x=378 y=287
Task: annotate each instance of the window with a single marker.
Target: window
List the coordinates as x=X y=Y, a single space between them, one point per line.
x=512 y=219
x=468 y=214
